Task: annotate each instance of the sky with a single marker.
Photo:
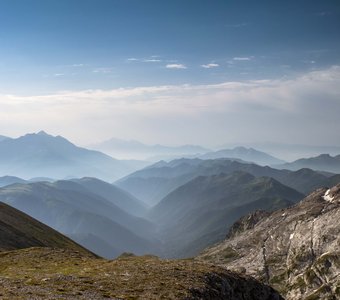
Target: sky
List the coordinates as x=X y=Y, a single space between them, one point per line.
x=172 y=72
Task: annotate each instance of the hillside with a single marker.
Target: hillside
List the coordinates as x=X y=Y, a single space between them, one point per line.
x=296 y=249
x=71 y=209
x=113 y=194
x=18 y=231
x=197 y=214
x=153 y=183
x=50 y=274
x=43 y=155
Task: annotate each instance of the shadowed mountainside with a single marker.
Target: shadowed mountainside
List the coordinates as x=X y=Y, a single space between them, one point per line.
x=153 y=183
x=18 y=231
x=114 y=194
x=71 y=209
x=197 y=214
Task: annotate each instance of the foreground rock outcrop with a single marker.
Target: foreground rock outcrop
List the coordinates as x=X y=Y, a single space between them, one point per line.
x=44 y=273
x=295 y=250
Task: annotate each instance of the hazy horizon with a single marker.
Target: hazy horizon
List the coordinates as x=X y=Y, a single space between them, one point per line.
x=173 y=73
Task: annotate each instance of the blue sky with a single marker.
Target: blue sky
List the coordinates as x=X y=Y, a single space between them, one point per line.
x=51 y=47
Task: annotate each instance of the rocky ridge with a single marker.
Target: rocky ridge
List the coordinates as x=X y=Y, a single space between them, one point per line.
x=295 y=250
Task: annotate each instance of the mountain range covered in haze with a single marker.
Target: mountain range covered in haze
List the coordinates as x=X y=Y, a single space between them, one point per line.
x=153 y=183
x=172 y=209
x=38 y=261
x=87 y=217
x=246 y=154
x=196 y=214
x=43 y=155
x=323 y=162
x=138 y=150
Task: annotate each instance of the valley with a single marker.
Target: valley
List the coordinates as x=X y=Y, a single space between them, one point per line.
x=170 y=215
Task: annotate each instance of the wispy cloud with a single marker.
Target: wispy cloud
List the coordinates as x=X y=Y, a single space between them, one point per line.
x=323 y=13
x=269 y=106
x=237 y=25
x=152 y=60
x=59 y=74
x=78 y=65
x=211 y=65
x=175 y=66
x=102 y=70
x=242 y=58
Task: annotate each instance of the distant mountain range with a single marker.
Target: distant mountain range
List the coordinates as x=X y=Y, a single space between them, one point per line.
x=323 y=162
x=198 y=213
x=8 y=180
x=291 y=152
x=43 y=155
x=74 y=209
x=2 y=138
x=153 y=183
x=137 y=150
x=246 y=154
x=295 y=250
x=18 y=231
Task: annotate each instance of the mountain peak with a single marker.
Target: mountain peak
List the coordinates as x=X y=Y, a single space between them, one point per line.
x=42 y=132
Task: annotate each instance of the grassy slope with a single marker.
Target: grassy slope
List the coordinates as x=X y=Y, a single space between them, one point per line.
x=50 y=274
x=18 y=230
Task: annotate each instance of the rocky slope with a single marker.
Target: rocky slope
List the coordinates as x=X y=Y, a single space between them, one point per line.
x=296 y=250
x=61 y=274
x=18 y=230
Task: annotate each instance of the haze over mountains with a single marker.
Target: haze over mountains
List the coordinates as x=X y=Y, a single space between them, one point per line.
x=43 y=155
x=173 y=209
x=138 y=150
x=246 y=154
x=323 y=162
x=40 y=262
x=153 y=183
x=88 y=218
x=196 y=214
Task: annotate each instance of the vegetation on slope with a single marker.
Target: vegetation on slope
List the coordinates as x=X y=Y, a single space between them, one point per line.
x=50 y=274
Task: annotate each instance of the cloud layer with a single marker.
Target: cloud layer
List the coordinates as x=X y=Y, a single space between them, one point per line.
x=304 y=109
x=211 y=65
